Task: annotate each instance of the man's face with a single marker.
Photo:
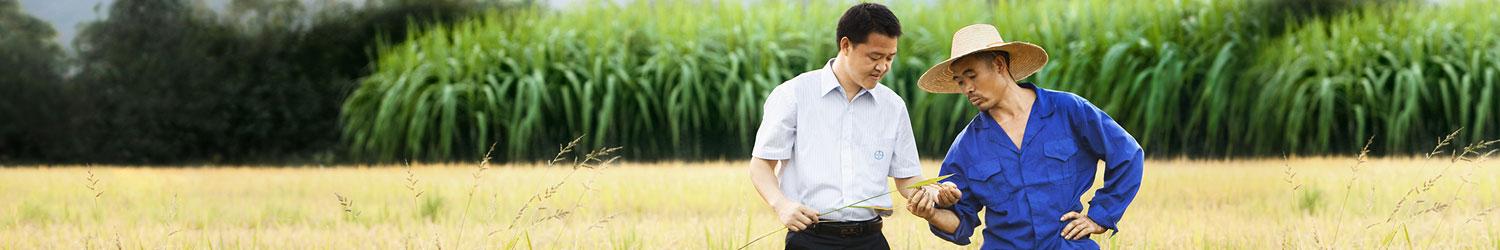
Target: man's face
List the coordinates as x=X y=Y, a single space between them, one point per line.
x=981 y=81
x=867 y=62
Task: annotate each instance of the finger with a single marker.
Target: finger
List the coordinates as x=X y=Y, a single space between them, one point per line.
x=918 y=198
x=1069 y=216
x=950 y=197
x=812 y=214
x=1066 y=228
x=1083 y=230
x=950 y=184
x=915 y=205
x=1077 y=232
x=1073 y=231
x=802 y=219
x=923 y=207
x=1067 y=232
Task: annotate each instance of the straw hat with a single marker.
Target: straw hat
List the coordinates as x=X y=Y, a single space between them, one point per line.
x=1025 y=58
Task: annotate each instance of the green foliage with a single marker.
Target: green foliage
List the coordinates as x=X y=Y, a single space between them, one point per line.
x=533 y=77
x=31 y=93
x=172 y=81
x=686 y=80
x=1405 y=74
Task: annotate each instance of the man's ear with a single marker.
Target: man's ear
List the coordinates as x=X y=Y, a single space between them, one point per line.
x=996 y=66
x=845 y=45
x=996 y=62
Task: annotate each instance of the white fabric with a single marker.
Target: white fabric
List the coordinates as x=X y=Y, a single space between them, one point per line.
x=836 y=151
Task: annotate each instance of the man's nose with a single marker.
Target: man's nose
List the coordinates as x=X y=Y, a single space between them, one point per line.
x=882 y=67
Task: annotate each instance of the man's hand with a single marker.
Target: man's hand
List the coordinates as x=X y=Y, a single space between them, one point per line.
x=928 y=198
x=1079 y=226
x=795 y=216
x=922 y=202
x=948 y=194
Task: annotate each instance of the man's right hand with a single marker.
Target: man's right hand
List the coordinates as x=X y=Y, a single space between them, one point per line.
x=795 y=216
x=928 y=199
x=948 y=194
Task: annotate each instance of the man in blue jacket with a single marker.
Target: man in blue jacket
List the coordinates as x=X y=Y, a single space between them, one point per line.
x=1029 y=155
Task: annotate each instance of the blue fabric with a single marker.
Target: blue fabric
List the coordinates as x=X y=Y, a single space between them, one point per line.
x=1023 y=192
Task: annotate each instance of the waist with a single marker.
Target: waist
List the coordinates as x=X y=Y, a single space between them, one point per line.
x=846 y=229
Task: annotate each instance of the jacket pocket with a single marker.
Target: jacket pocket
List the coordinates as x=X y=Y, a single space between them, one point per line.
x=1056 y=162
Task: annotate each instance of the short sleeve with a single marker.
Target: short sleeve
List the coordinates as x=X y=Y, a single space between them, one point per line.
x=778 y=125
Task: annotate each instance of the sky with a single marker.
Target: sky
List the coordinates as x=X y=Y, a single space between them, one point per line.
x=66 y=16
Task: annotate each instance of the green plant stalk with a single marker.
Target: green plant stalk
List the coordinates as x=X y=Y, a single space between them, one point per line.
x=912 y=186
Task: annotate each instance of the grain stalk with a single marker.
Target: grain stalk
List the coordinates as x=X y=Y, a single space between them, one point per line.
x=856 y=205
x=1364 y=156
x=592 y=161
x=347 y=205
x=478 y=175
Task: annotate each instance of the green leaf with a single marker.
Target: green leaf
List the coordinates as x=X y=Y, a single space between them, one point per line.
x=927 y=182
x=874 y=208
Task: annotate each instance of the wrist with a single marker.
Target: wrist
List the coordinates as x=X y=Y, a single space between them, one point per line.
x=778 y=204
x=930 y=216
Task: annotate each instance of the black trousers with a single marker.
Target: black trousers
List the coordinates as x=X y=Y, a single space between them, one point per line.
x=809 y=241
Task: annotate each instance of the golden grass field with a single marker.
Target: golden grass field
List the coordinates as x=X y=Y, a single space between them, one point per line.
x=1241 y=204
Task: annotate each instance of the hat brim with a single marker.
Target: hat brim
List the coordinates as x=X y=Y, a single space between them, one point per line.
x=1025 y=59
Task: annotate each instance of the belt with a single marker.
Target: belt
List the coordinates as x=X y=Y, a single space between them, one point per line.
x=846 y=229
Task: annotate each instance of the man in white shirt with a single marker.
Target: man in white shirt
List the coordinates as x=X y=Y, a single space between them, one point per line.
x=837 y=135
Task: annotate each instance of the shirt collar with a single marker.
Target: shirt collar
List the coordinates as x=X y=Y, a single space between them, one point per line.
x=829 y=82
x=1042 y=107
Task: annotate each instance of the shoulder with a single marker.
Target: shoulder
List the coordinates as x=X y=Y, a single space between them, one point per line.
x=889 y=99
x=965 y=139
x=1069 y=104
x=788 y=90
x=1065 y=100
x=802 y=83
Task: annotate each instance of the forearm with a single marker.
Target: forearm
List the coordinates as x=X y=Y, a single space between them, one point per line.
x=763 y=176
x=901 y=183
x=944 y=220
x=1122 y=179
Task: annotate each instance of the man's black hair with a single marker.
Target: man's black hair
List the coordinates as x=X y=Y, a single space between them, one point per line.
x=865 y=18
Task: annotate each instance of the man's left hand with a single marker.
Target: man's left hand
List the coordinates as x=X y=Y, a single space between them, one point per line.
x=1079 y=226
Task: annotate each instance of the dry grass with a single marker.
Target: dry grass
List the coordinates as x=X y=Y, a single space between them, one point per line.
x=1447 y=200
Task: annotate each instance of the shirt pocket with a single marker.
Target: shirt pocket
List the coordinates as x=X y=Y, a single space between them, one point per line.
x=1057 y=154
x=877 y=153
x=873 y=156
x=987 y=181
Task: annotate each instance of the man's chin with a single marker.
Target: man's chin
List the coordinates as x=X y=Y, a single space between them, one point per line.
x=980 y=107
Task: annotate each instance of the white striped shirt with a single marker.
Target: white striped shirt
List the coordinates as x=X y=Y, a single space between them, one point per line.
x=837 y=151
